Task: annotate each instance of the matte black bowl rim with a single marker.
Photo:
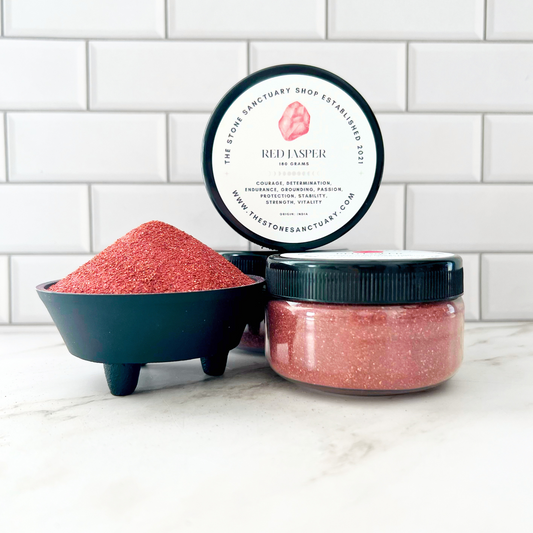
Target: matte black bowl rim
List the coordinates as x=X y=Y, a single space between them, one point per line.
x=43 y=287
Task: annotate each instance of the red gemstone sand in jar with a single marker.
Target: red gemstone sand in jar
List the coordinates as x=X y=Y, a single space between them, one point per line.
x=365 y=322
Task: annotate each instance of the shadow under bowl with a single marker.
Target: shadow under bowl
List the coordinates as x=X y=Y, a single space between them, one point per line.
x=126 y=331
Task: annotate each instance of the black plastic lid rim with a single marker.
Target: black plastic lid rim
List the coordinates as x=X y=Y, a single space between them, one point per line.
x=253 y=261
x=366 y=283
x=248 y=262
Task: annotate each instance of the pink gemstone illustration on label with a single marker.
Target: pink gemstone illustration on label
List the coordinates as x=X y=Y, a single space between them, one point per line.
x=294 y=122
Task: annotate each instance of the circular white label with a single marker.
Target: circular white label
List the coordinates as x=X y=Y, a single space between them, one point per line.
x=370 y=255
x=294 y=158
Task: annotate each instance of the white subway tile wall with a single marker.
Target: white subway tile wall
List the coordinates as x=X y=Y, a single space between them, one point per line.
x=471 y=77
x=85 y=18
x=507 y=287
x=377 y=70
x=86 y=147
x=28 y=271
x=39 y=74
x=119 y=208
x=471 y=296
x=182 y=76
x=247 y=19
x=470 y=218
x=431 y=148
x=186 y=138
x=103 y=105
x=510 y=19
x=382 y=227
x=406 y=19
x=44 y=218
x=508 y=148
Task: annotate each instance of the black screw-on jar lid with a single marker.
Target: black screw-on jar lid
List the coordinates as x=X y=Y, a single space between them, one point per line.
x=248 y=262
x=254 y=261
x=373 y=277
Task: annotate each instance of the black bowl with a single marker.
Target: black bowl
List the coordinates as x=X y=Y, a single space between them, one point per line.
x=126 y=331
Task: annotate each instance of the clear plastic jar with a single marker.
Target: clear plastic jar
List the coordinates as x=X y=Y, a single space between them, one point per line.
x=365 y=348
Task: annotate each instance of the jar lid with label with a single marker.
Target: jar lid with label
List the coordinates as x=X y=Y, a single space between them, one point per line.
x=292 y=157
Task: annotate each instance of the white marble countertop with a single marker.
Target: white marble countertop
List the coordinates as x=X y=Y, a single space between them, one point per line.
x=252 y=453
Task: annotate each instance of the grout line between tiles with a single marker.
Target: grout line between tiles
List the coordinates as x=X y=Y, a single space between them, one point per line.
x=10 y=290
x=480 y=287
x=88 y=182
x=167 y=147
x=44 y=326
x=2 y=18
x=208 y=111
x=6 y=156
x=485 y=15
x=378 y=112
x=459 y=183
x=91 y=232
x=407 y=76
x=166 y=19
x=131 y=111
x=451 y=112
x=405 y=217
x=503 y=320
x=87 y=82
x=248 y=58
x=326 y=32
x=482 y=162
x=280 y=40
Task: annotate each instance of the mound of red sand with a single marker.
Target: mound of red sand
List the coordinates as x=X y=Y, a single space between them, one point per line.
x=153 y=258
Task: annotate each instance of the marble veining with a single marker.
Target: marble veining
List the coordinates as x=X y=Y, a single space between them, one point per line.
x=250 y=452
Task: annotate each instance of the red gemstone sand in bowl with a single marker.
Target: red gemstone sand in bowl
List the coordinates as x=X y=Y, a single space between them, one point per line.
x=153 y=258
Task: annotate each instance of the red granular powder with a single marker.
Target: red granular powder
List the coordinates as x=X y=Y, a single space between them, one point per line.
x=253 y=338
x=153 y=258
x=365 y=348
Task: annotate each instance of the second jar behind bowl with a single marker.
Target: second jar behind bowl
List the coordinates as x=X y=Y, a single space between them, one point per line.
x=252 y=263
x=365 y=322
